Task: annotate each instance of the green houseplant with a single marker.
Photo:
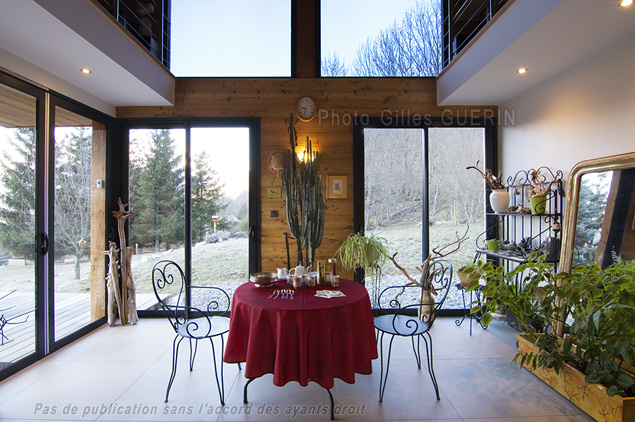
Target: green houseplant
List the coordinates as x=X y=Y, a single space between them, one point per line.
x=367 y=253
x=598 y=305
x=359 y=251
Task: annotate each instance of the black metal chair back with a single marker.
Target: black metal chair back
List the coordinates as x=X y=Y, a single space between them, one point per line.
x=191 y=322
x=410 y=311
x=411 y=298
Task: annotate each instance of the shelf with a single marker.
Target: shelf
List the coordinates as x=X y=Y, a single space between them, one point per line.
x=518 y=214
x=508 y=255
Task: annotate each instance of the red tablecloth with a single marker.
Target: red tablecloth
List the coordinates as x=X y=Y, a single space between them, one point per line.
x=305 y=339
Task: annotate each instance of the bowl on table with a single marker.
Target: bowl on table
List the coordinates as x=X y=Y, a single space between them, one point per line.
x=263 y=279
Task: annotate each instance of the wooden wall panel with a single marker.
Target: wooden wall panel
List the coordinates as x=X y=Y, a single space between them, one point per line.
x=97 y=223
x=338 y=100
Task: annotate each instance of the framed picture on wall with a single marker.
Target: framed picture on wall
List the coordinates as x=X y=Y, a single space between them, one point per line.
x=336 y=187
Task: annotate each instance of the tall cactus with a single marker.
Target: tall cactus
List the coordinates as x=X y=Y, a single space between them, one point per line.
x=305 y=203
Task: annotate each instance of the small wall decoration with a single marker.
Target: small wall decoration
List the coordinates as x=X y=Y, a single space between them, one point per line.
x=276 y=162
x=336 y=187
x=274 y=193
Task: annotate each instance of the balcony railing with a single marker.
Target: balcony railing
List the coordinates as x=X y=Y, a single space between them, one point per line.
x=462 y=20
x=146 y=20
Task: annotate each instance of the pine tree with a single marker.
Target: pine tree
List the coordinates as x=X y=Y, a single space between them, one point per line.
x=592 y=203
x=159 y=202
x=17 y=213
x=207 y=194
x=73 y=153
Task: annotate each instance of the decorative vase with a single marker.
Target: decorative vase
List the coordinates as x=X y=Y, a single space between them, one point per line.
x=426 y=307
x=499 y=200
x=538 y=205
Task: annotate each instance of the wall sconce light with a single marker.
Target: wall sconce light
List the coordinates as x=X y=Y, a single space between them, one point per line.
x=306 y=152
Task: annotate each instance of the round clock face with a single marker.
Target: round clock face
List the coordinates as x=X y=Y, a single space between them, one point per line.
x=306 y=109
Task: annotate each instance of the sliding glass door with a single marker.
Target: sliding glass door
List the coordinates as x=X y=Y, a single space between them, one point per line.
x=418 y=195
x=52 y=222
x=78 y=221
x=18 y=269
x=191 y=190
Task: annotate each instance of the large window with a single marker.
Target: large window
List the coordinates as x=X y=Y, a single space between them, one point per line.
x=52 y=222
x=202 y=172
x=418 y=195
x=379 y=38
x=231 y=39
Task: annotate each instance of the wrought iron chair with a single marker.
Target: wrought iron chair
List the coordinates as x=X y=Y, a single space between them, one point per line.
x=188 y=322
x=413 y=320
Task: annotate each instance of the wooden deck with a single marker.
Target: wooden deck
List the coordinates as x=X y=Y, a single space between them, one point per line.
x=72 y=313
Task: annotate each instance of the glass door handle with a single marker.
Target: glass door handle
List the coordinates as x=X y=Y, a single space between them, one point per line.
x=43 y=243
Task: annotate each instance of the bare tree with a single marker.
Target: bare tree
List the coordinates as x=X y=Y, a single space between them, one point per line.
x=72 y=193
x=410 y=48
x=333 y=66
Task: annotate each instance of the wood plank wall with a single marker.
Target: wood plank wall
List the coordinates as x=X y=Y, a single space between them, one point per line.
x=337 y=100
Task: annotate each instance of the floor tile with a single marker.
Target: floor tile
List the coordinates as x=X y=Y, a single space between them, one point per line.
x=121 y=373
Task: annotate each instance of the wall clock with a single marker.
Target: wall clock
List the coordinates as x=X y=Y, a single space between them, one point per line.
x=306 y=109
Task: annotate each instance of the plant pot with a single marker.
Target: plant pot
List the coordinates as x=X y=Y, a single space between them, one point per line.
x=493 y=245
x=590 y=398
x=499 y=200
x=538 y=205
x=465 y=281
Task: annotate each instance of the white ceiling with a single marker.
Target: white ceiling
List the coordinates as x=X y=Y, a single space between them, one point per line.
x=545 y=36
x=49 y=42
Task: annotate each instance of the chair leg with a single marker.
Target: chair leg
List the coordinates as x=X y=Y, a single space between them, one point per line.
x=383 y=378
x=193 y=355
x=417 y=350
x=219 y=383
x=430 y=360
x=175 y=360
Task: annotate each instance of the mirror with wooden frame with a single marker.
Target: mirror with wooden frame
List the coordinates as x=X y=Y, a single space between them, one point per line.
x=599 y=221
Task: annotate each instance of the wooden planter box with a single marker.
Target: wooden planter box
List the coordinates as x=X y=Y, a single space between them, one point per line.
x=590 y=398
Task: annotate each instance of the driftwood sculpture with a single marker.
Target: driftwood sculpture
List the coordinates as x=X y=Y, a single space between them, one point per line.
x=112 y=284
x=126 y=297
x=131 y=305
x=437 y=253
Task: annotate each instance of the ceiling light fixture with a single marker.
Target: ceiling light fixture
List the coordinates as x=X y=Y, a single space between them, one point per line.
x=86 y=70
x=522 y=70
x=625 y=3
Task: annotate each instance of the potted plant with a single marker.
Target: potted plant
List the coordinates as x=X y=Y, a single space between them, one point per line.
x=591 y=364
x=305 y=206
x=359 y=251
x=499 y=197
x=465 y=271
x=367 y=253
x=538 y=192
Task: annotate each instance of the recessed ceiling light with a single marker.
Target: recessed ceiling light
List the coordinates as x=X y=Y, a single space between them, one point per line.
x=522 y=70
x=86 y=70
x=625 y=3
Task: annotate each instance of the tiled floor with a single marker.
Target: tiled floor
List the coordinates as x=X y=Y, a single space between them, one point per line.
x=120 y=374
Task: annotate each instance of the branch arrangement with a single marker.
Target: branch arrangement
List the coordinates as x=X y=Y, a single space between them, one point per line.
x=426 y=279
x=492 y=181
x=537 y=185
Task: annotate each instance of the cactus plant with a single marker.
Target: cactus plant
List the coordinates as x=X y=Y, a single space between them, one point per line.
x=305 y=202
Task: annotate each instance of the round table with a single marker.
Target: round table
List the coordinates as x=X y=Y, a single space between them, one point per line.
x=307 y=338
